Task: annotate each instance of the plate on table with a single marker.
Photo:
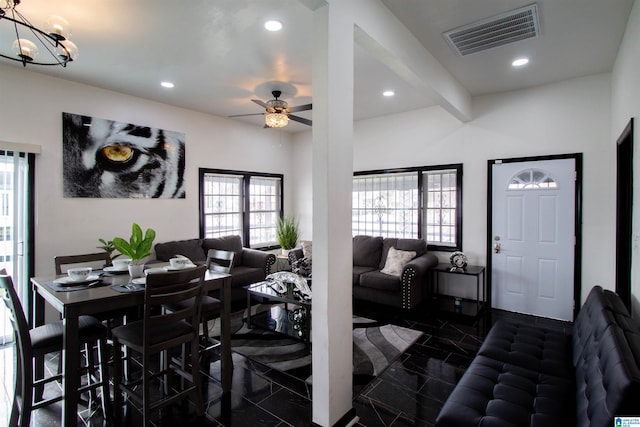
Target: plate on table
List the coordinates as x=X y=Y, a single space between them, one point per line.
x=170 y=268
x=68 y=281
x=114 y=270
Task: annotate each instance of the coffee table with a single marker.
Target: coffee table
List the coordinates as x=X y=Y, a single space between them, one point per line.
x=293 y=320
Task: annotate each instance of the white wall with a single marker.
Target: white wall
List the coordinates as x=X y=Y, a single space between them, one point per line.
x=567 y=117
x=31 y=112
x=625 y=105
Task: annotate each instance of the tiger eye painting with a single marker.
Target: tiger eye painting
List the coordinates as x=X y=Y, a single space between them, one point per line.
x=108 y=159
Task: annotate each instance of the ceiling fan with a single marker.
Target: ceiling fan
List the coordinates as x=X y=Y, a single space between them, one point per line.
x=278 y=113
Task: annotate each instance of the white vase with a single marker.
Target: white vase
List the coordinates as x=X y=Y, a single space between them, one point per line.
x=285 y=252
x=136 y=270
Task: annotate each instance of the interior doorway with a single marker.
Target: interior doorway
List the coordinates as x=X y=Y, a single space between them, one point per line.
x=624 y=213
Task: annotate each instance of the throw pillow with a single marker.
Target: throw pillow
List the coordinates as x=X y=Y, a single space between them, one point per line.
x=306 y=249
x=396 y=260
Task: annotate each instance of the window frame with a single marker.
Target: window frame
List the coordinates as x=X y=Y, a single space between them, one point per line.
x=245 y=176
x=457 y=167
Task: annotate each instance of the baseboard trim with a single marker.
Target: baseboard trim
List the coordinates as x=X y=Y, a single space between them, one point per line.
x=347 y=420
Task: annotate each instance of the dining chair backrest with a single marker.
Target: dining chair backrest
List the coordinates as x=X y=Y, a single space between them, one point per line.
x=171 y=287
x=220 y=261
x=96 y=260
x=17 y=318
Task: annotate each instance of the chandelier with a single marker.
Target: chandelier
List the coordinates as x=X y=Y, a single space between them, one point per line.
x=32 y=45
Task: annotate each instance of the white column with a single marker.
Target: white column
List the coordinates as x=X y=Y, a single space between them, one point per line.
x=332 y=182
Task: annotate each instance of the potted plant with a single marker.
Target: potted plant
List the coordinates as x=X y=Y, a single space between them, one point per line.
x=137 y=248
x=287 y=233
x=109 y=248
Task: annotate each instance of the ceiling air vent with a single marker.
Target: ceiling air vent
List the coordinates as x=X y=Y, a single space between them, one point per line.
x=509 y=27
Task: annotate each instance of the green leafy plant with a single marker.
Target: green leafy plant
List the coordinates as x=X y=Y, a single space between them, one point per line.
x=287 y=232
x=109 y=248
x=138 y=247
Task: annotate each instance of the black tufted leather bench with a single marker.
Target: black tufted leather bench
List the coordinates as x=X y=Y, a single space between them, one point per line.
x=524 y=375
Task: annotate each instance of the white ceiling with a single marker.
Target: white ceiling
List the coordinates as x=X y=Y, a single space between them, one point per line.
x=220 y=57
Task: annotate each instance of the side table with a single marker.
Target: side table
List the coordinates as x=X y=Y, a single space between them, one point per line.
x=472 y=308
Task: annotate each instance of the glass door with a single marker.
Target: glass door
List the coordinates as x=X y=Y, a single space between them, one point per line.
x=16 y=171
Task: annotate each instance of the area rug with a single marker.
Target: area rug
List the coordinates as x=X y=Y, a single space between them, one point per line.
x=375 y=346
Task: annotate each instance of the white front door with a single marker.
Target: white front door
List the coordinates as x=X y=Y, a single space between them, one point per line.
x=533 y=218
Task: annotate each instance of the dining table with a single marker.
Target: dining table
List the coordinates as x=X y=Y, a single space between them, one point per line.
x=108 y=295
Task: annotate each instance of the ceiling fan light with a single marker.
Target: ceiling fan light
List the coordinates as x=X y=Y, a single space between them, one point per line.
x=276 y=120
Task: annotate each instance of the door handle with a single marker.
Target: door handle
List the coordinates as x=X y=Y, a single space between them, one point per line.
x=496 y=248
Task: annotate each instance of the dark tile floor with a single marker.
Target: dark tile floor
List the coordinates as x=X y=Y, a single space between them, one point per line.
x=410 y=392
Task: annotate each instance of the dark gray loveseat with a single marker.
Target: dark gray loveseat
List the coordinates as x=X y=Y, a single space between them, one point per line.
x=370 y=284
x=249 y=265
x=525 y=375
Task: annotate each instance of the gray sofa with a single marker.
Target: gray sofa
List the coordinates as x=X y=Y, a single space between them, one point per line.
x=249 y=265
x=370 y=284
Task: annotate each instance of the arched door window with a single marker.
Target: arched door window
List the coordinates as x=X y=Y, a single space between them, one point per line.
x=532 y=179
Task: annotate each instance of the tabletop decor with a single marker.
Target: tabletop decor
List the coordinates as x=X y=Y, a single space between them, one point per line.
x=109 y=248
x=458 y=261
x=137 y=248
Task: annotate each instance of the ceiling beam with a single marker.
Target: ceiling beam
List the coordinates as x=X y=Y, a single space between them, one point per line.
x=387 y=39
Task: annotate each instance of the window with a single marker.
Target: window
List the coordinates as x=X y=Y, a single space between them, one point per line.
x=422 y=202
x=244 y=203
x=386 y=205
x=532 y=179
x=440 y=207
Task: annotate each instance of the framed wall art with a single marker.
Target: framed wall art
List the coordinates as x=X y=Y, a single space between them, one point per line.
x=108 y=159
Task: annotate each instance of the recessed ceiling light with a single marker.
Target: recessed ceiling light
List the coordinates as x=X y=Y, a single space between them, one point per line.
x=388 y=93
x=168 y=85
x=519 y=62
x=273 y=25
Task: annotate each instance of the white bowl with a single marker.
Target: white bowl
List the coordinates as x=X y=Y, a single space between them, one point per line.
x=78 y=274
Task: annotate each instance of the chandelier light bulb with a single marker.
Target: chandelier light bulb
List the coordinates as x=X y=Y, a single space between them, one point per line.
x=67 y=53
x=25 y=49
x=58 y=28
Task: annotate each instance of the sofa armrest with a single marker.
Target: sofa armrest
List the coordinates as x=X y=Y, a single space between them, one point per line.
x=414 y=279
x=294 y=255
x=258 y=259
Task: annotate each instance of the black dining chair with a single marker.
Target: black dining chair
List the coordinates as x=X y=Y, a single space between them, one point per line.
x=218 y=261
x=97 y=260
x=158 y=334
x=40 y=341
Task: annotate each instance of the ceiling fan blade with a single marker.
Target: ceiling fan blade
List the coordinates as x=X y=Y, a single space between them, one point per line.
x=300 y=120
x=300 y=108
x=244 y=115
x=260 y=103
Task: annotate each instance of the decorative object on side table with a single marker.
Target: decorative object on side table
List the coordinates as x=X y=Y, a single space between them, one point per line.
x=458 y=261
x=287 y=233
x=137 y=248
x=109 y=248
